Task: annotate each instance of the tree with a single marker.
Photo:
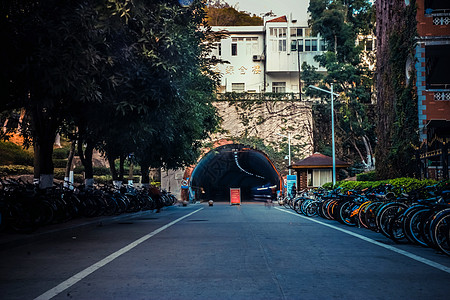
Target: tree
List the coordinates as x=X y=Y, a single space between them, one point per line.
x=397 y=100
x=340 y=23
x=46 y=65
x=220 y=13
x=114 y=72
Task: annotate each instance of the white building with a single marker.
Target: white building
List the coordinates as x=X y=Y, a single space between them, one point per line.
x=266 y=58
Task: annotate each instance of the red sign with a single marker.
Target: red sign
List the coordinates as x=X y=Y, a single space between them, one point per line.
x=235 y=196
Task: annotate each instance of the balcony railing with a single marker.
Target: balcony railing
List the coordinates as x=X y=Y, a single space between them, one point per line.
x=255 y=97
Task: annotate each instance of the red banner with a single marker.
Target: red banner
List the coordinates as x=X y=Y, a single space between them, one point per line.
x=235 y=196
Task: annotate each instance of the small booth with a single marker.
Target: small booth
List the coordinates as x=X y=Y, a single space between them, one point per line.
x=316 y=170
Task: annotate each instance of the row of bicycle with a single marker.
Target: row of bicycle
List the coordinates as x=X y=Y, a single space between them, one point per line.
x=24 y=207
x=421 y=217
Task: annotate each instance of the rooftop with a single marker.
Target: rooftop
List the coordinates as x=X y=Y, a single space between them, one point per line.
x=317 y=161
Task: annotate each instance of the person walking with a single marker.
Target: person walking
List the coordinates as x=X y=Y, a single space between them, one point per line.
x=293 y=191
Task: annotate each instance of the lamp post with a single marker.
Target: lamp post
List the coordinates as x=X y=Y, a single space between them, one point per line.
x=289 y=146
x=332 y=127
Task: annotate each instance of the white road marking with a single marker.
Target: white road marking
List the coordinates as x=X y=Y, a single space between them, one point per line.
x=399 y=251
x=89 y=270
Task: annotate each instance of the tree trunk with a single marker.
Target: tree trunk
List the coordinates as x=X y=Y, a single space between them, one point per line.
x=112 y=167
x=86 y=160
x=145 y=171
x=122 y=167
x=43 y=160
x=44 y=123
x=67 y=182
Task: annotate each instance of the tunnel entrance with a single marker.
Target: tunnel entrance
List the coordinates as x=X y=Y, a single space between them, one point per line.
x=233 y=166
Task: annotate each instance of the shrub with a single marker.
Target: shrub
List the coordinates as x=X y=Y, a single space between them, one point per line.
x=12 y=154
x=61 y=153
x=98 y=171
x=399 y=185
x=367 y=176
x=15 y=170
x=59 y=163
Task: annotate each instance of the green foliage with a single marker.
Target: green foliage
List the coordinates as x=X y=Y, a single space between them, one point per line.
x=340 y=23
x=367 y=176
x=399 y=185
x=98 y=171
x=404 y=136
x=222 y=14
x=15 y=170
x=121 y=76
x=12 y=154
x=59 y=163
x=61 y=153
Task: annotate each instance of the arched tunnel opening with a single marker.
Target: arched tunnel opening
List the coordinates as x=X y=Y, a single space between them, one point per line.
x=233 y=166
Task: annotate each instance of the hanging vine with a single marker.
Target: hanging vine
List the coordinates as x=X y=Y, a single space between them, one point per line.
x=397 y=97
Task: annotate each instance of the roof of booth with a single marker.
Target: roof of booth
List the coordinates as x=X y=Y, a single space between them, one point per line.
x=318 y=161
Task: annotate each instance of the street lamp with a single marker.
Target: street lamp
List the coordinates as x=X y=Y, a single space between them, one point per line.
x=332 y=127
x=289 y=147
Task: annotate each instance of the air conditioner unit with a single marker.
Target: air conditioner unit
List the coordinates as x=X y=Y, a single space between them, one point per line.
x=256 y=57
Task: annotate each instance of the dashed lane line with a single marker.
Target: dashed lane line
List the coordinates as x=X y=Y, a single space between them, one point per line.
x=89 y=270
x=394 y=249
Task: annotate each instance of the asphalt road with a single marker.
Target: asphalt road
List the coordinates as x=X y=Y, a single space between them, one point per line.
x=222 y=252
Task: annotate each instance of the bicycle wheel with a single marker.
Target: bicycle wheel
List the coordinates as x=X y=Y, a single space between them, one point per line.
x=345 y=211
x=386 y=214
x=407 y=220
x=362 y=212
x=441 y=232
x=395 y=227
x=312 y=208
x=304 y=205
x=297 y=204
x=370 y=215
x=414 y=226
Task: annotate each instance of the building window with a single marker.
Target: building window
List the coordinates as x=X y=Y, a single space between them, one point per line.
x=297 y=45
x=233 y=49
x=278 y=87
x=293 y=45
x=218 y=49
x=437 y=6
x=317 y=178
x=308 y=32
x=281 y=45
x=368 y=44
x=296 y=32
x=278 y=39
x=323 y=45
x=251 y=46
x=437 y=64
x=238 y=87
x=313 y=45
x=307 y=45
x=300 y=45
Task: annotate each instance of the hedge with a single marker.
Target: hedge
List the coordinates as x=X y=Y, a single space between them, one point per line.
x=99 y=171
x=368 y=176
x=399 y=185
x=12 y=154
x=61 y=153
x=15 y=170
